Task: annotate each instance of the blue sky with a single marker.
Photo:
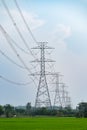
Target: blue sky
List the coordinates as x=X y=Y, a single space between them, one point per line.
x=63 y=23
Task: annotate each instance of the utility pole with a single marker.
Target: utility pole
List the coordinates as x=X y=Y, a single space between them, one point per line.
x=42 y=96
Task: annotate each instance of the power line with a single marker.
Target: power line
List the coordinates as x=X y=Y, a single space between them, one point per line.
x=42 y=82
x=18 y=47
x=11 y=60
x=15 y=51
x=17 y=29
x=25 y=21
x=16 y=44
x=13 y=82
x=13 y=48
x=14 y=23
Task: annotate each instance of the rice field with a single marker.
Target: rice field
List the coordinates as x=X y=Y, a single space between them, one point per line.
x=43 y=123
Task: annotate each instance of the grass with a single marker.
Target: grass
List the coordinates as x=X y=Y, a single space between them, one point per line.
x=43 y=123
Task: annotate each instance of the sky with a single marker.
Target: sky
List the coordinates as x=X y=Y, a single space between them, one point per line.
x=61 y=23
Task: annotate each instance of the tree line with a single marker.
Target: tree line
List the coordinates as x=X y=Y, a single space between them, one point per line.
x=11 y=111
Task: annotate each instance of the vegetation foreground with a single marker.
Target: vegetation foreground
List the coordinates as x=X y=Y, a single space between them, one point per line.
x=43 y=123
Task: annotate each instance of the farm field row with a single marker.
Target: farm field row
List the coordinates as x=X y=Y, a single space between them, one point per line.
x=43 y=123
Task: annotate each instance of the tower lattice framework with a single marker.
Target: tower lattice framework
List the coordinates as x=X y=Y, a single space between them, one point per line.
x=57 y=99
x=42 y=96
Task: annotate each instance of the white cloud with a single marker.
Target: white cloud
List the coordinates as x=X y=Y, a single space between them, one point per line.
x=32 y=19
x=62 y=31
x=60 y=34
x=72 y=65
x=75 y=16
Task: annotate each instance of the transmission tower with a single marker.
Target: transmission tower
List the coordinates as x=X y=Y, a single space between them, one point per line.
x=68 y=100
x=63 y=95
x=42 y=96
x=65 y=99
x=57 y=99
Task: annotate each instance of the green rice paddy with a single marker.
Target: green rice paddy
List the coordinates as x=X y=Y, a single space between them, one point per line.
x=43 y=123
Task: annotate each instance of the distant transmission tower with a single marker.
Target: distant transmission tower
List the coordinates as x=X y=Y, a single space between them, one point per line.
x=68 y=100
x=57 y=99
x=63 y=96
x=43 y=96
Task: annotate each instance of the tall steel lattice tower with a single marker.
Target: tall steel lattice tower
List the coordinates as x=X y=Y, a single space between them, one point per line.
x=42 y=96
x=61 y=98
x=57 y=99
x=68 y=100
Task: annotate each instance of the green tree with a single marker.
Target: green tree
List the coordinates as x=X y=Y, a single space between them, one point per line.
x=20 y=111
x=28 y=108
x=1 y=110
x=82 y=109
x=9 y=110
